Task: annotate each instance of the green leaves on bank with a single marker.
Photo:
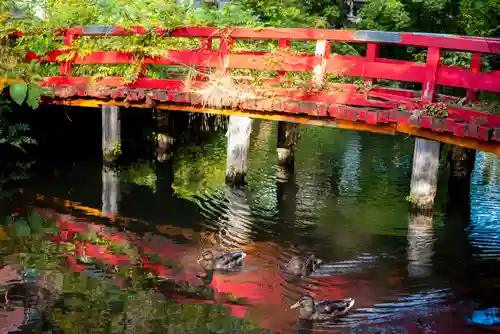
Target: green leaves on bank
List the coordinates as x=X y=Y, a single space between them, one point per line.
x=18 y=91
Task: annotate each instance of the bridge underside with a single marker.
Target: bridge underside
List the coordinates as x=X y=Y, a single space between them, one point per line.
x=379 y=110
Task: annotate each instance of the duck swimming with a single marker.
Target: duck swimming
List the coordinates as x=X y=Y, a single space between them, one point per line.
x=302 y=266
x=224 y=261
x=322 y=310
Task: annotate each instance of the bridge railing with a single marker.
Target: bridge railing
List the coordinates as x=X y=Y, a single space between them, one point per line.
x=370 y=66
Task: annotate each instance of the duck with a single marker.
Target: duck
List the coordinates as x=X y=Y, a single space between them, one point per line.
x=208 y=238
x=224 y=261
x=211 y=239
x=322 y=310
x=302 y=266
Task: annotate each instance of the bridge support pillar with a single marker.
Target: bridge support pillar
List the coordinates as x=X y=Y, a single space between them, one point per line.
x=238 y=140
x=111 y=138
x=424 y=176
x=288 y=134
x=461 y=161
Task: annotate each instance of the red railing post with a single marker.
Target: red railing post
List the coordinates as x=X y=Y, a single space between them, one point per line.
x=322 y=53
x=372 y=53
x=66 y=67
x=226 y=44
x=283 y=44
x=429 y=85
x=474 y=67
x=205 y=45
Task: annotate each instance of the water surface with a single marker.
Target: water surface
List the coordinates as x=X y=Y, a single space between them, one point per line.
x=345 y=202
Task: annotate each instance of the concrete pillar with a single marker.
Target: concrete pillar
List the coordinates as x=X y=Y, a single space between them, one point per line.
x=164 y=150
x=238 y=140
x=420 y=244
x=288 y=134
x=461 y=161
x=424 y=176
x=111 y=138
x=110 y=194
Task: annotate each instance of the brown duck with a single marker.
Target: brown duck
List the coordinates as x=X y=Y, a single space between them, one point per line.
x=322 y=310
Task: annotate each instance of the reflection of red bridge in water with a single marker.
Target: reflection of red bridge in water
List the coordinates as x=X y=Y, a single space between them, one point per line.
x=360 y=107
x=262 y=286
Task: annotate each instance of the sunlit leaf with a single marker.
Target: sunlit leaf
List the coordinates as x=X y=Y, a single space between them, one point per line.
x=18 y=227
x=18 y=92
x=34 y=94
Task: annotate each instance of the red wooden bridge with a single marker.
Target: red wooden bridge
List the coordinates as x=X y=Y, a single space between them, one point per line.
x=366 y=106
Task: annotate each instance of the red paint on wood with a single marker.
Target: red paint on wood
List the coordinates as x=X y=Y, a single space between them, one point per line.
x=226 y=44
x=453 y=42
x=475 y=66
x=283 y=44
x=383 y=116
x=372 y=53
x=372 y=117
x=449 y=125
x=426 y=122
x=484 y=133
x=460 y=129
x=338 y=111
x=66 y=67
x=205 y=47
x=459 y=77
x=432 y=66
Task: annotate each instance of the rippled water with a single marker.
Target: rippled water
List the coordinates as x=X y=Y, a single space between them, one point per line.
x=345 y=202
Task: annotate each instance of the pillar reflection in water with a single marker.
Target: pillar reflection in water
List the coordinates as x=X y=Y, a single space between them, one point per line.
x=164 y=149
x=420 y=244
x=110 y=191
x=237 y=228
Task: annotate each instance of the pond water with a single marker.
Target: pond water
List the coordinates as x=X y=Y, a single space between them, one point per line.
x=345 y=202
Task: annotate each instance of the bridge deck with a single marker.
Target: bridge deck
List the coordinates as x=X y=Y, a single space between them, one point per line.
x=214 y=83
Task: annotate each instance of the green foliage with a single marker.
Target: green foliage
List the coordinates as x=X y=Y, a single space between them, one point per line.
x=13 y=134
x=201 y=168
x=288 y=13
x=471 y=17
x=18 y=92
x=117 y=149
x=385 y=15
x=436 y=109
x=142 y=174
x=480 y=17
